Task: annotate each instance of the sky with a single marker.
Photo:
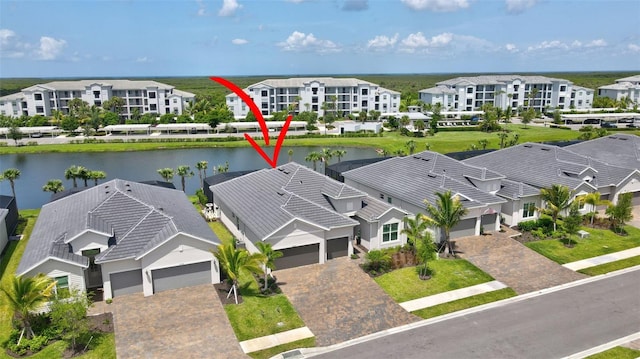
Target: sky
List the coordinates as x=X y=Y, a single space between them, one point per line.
x=137 y=38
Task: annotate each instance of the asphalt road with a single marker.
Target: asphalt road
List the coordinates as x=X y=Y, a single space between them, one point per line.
x=553 y=325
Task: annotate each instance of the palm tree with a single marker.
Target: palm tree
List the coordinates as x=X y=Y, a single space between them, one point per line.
x=223 y=168
x=412 y=146
x=326 y=155
x=592 y=199
x=166 y=173
x=11 y=174
x=314 y=157
x=236 y=261
x=202 y=168
x=415 y=228
x=96 y=175
x=83 y=174
x=73 y=173
x=183 y=172
x=621 y=212
x=405 y=121
x=269 y=259
x=446 y=213
x=420 y=125
x=290 y=153
x=53 y=186
x=26 y=294
x=557 y=198
x=339 y=154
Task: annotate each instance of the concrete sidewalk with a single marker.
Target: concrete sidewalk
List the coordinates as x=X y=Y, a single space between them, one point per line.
x=452 y=295
x=607 y=258
x=270 y=341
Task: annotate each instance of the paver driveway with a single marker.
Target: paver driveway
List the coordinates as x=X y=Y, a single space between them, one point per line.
x=512 y=263
x=182 y=323
x=338 y=301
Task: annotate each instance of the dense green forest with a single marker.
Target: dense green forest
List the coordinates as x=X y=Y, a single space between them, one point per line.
x=407 y=84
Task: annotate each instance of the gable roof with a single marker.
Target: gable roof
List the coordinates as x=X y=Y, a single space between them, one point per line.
x=418 y=177
x=619 y=150
x=138 y=215
x=541 y=166
x=268 y=199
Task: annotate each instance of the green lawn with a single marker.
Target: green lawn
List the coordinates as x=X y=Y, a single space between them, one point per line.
x=102 y=346
x=610 y=267
x=449 y=274
x=465 y=303
x=220 y=230
x=260 y=315
x=617 y=353
x=600 y=242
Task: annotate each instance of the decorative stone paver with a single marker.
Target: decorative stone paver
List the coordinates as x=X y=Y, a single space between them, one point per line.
x=182 y=323
x=339 y=302
x=512 y=263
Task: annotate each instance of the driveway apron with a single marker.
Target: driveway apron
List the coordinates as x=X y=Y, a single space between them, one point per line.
x=339 y=302
x=513 y=264
x=182 y=323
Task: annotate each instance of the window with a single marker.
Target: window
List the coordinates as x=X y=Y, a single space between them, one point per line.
x=264 y=93
x=96 y=94
x=153 y=107
x=152 y=95
x=265 y=105
x=175 y=100
x=469 y=89
x=62 y=286
x=37 y=96
x=390 y=232
x=528 y=210
x=39 y=109
x=563 y=88
x=561 y=100
x=365 y=92
x=389 y=199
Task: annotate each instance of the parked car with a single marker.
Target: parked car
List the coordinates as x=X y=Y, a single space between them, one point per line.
x=608 y=125
x=632 y=125
x=591 y=121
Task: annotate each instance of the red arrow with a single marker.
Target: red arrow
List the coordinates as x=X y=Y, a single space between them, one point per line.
x=263 y=125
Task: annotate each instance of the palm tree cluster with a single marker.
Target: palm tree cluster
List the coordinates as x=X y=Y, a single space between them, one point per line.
x=76 y=172
x=11 y=175
x=324 y=156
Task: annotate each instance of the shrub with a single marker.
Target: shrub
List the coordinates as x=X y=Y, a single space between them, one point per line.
x=528 y=226
x=377 y=261
x=202 y=198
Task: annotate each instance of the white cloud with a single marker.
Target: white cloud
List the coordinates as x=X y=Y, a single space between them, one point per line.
x=143 y=59
x=239 y=41
x=355 y=5
x=229 y=8
x=548 y=45
x=202 y=8
x=299 y=41
x=596 y=43
x=574 y=45
x=5 y=36
x=50 y=48
x=511 y=48
x=10 y=46
x=442 y=39
x=633 y=47
x=519 y=6
x=418 y=41
x=381 y=42
x=437 y=5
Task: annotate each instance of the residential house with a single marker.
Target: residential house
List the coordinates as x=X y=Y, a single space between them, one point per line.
x=539 y=92
x=317 y=94
x=309 y=217
x=8 y=219
x=407 y=182
x=141 y=96
x=124 y=237
x=628 y=87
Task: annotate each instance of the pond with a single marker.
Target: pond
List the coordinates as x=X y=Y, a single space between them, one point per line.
x=37 y=169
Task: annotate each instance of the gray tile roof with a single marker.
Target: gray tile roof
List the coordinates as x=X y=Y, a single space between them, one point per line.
x=300 y=82
x=80 y=85
x=634 y=78
x=373 y=208
x=266 y=200
x=499 y=79
x=139 y=215
x=514 y=190
x=542 y=165
x=619 y=150
x=439 y=90
x=416 y=178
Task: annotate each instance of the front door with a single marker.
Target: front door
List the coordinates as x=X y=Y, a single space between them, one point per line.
x=93 y=274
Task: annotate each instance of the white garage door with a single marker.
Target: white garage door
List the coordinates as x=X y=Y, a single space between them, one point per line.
x=181 y=276
x=126 y=282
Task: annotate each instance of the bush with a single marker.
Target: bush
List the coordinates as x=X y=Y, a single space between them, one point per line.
x=202 y=198
x=528 y=226
x=377 y=261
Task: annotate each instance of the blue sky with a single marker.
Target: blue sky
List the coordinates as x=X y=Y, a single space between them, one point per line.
x=251 y=37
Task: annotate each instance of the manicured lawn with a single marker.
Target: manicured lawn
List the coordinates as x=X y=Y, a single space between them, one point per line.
x=617 y=353
x=465 y=303
x=268 y=353
x=613 y=266
x=220 y=230
x=449 y=274
x=600 y=242
x=260 y=315
x=102 y=346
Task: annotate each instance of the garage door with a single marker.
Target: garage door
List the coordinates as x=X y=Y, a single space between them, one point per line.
x=337 y=247
x=636 y=199
x=126 y=282
x=466 y=227
x=181 y=276
x=489 y=221
x=298 y=256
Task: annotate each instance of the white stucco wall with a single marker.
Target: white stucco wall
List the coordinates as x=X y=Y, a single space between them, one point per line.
x=632 y=184
x=89 y=240
x=4 y=236
x=377 y=230
x=54 y=268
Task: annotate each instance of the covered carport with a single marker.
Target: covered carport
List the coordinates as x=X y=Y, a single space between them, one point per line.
x=191 y=128
x=273 y=126
x=127 y=129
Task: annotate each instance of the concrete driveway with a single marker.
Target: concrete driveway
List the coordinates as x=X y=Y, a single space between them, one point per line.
x=636 y=217
x=182 y=323
x=338 y=301
x=515 y=265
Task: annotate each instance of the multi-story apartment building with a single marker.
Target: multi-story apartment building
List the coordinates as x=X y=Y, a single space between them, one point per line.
x=628 y=87
x=143 y=96
x=349 y=95
x=539 y=92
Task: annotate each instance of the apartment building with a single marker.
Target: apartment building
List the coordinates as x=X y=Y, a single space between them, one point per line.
x=628 y=87
x=539 y=92
x=143 y=96
x=348 y=95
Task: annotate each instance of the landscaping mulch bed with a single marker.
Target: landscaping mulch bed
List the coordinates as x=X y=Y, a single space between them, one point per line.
x=526 y=237
x=223 y=290
x=101 y=323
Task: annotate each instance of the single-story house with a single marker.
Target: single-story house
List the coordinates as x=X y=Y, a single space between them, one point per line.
x=122 y=236
x=8 y=219
x=408 y=181
x=309 y=217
